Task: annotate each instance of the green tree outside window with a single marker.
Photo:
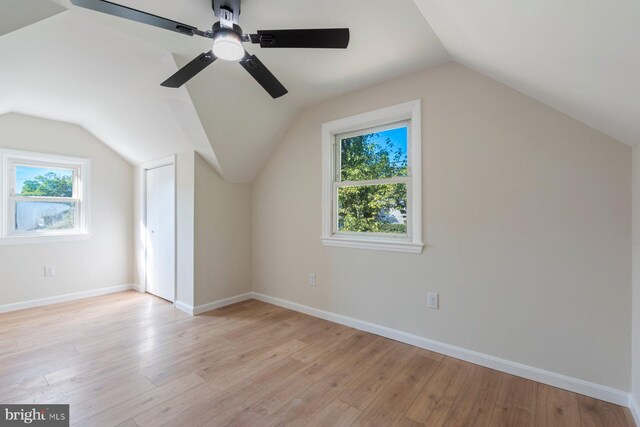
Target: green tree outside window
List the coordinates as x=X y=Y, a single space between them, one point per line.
x=48 y=185
x=372 y=208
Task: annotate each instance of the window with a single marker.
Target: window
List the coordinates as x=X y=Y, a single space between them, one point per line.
x=372 y=180
x=43 y=197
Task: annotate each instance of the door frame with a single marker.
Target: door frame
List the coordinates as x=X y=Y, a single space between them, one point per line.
x=165 y=161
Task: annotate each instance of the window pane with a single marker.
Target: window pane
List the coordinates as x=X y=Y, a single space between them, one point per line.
x=374 y=155
x=33 y=216
x=44 y=182
x=373 y=208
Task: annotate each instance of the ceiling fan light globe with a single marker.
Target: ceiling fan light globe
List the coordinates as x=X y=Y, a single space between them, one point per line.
x=228 y=47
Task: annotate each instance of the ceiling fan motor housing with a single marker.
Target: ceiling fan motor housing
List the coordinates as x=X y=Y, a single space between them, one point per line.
x=228 y=10
x=219 y=29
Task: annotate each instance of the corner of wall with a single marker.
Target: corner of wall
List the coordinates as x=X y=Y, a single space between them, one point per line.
x=635 y=309
x=222 y=218
x=185 y=230
x=634 y=406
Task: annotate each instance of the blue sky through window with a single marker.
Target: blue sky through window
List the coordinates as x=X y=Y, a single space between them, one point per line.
x=398 y=138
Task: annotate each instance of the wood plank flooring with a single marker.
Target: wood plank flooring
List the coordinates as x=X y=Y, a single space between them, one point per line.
x=130 y=359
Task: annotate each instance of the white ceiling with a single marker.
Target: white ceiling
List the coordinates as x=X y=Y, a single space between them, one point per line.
x=581 y=57
x=241 y=121
x=17 y=14
x=102 y=80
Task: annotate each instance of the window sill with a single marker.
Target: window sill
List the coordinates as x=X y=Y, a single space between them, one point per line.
x=49 y=238
x=374 y=244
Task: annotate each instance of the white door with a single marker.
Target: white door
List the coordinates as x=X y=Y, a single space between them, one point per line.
x=160 y=230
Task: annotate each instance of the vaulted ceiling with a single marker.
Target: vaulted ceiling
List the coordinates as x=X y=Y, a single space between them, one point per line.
x=90 y=58
x=581 y=57
x=69 y=69
x=66 y=63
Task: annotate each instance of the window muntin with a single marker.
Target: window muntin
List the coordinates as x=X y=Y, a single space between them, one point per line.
x=43 y=195
x=335 y=189
x=372 y=181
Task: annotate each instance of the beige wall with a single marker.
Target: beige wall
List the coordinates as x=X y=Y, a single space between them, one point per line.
x=223 y=236
x=527 y=225
x=185 y=227
x=213 y=233
x=635 y=355
x=106 y=259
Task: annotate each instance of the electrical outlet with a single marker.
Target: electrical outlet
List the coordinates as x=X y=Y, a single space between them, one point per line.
x=49 y=271
x=433 y=300
x=312 y=279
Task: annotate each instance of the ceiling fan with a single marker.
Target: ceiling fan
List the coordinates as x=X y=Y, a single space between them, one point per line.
x=227 y=39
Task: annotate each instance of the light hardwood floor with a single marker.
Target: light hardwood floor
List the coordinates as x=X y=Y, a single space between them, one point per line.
x=131 y=359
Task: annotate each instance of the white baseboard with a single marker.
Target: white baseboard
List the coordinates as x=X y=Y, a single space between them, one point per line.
x=199 y=309
x=184 y=307
x=64 y=298
x=139 y=288
x=576 y=385
x=634 y=406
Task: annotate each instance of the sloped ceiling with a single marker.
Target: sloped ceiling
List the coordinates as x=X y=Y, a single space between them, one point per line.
x=241 y=122
x=49 y=71
x=67 y=63
x=17 y=14
x=581 y=57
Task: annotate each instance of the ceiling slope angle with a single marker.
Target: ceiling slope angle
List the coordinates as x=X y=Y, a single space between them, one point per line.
x=581 y=57
x=18 y=14
x=103 y=80
x=242 y=122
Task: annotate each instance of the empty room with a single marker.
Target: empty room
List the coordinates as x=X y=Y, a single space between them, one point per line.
x=319 y=213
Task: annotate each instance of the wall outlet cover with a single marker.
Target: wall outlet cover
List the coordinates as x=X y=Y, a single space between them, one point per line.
x=433 y=300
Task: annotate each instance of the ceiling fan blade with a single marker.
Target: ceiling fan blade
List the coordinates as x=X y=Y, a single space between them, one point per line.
x=139 y=16
x=263 y=76
x=327 y=38
x=187 y=72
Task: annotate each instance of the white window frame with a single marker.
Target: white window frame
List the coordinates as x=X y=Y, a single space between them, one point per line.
x=9 y=160
x=408 y=112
